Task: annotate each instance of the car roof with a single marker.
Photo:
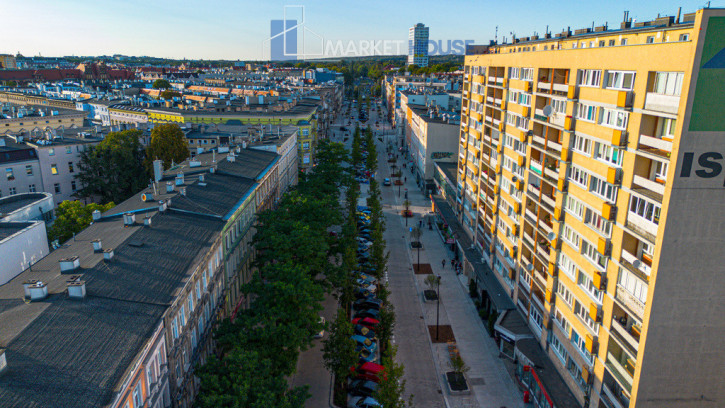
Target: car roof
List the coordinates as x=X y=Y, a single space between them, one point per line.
x=372 y=367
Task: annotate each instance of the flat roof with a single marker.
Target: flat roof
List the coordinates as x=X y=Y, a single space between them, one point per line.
x=8 y=229
x=17 y=201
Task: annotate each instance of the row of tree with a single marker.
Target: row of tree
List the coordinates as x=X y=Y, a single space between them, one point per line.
x=258 y=350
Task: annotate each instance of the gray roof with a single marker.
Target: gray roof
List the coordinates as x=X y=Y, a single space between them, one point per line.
x=214 y=197
x=250 y=163
x=9 y=228
x=17 y=201
x=450 y=169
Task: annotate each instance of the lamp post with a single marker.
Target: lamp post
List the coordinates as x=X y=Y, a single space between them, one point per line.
x=438 y=306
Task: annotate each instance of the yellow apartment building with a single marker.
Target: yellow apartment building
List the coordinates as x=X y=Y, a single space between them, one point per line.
x=590 y=178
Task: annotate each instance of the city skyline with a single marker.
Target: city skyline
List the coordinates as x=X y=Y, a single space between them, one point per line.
x=189 y=31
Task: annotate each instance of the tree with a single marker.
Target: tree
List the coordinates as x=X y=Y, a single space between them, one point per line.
x=392 y=386
x=167 y=144
x=386 y=325
x=72 y=217
x=415 y=234
x=112 y=170
x=161 y=84
x=170 y=94
x=338 y=350
x=458 y=365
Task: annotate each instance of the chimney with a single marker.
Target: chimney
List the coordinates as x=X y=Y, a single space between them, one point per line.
x=37 y=291
x=182 y=190
x=147 y=196
x=96 y=215
x=129 y=219
x=158 y=170
x=179 y=179
x=76 y=287
x=162 y=206
x=97 y=247
x=147 y=221
x=69 y=264
x=169 y=187
x=26 y=286
x=108 y=254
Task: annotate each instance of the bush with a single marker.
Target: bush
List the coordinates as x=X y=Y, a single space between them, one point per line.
x=473 y=288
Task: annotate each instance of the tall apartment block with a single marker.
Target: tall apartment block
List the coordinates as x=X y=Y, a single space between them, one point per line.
x=418 y=45
x=590 y=176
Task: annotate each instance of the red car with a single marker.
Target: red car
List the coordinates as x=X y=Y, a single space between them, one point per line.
x=368 y=322
x=370 y=371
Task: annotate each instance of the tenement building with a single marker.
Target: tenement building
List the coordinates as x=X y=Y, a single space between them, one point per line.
x=590 y=178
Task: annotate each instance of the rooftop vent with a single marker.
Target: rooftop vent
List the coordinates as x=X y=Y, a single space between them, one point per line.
x=69 y=264
x=37 y=291
x=147 y=197
x=162 y=206
x=179 y=179
x=182 y=190
x=108 y=254
x=147 y=221
x=26 y=286
x=96 y=215
x=129 y=219
x=194 y=163
x=3 y=361
x=76 y=287
x=231 y=158
x=97 y=247
x=135 y=243
x=169 y=187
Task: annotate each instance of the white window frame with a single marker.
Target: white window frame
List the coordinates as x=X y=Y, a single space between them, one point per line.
x=590 y=77
x=613 y=118
x=623 y=80
x=585 y=112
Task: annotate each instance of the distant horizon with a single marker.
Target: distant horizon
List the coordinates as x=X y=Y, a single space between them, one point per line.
x=170 y=29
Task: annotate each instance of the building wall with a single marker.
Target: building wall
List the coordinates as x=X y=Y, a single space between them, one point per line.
x=26 y=176
x=21 y=250
x=30 y=123
x=40 y=210
x=60 y=155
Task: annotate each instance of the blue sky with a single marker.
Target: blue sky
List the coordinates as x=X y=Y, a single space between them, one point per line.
x=235 y=29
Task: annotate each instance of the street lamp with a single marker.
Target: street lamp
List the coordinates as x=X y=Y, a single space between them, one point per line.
x=438 y=306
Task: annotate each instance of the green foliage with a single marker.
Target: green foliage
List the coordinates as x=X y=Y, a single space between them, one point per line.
x=415 y=234
x=112 y=170
x=167 y=144
x=458 y=365
x=431 y=281
x=72 y=217
x=338 y=350
x=387 y=323
x=170 y=94
x=392 y=387
x=161 y=84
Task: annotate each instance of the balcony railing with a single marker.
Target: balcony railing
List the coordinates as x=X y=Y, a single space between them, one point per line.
x=619 y=372
x=649 y=184
x=631 y=302
x=633 y=260
x=662 y=103
x=626 y=336
x=655 y=143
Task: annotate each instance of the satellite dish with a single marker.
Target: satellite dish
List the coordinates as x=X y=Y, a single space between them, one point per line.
x=551 y=236
x=637 y=263
x=530 y=267
x=548 y=110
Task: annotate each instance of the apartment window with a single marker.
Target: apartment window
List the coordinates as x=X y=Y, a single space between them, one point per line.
x=563 y=323
x=574 y=206
x=613 y=118
x=668 y=83
x=558 y=105
x=666 y=128
x=51 y=151
x=137 y=396
x=620 y=80
x=608 y=154
x=73 y=185
x=580 y=344
x=567 y=266
x=559 y=349
x=70 y=167
x=193 y=338
x=565 y=294
x=684 y=37
x=611 y=43
x=198 y=290
x=68 y=150
x=54 y=169
x=527 y=74
x=513 y=97
x=578 y=176
x=633 y=285
x=590 y=77
x=31 y=188
x=574 y=44
x=650 y=39
x=601 y=43
x=536 y=318
x=586 y=283
x=586 y=112
x=590 y=252
x=12 y=190
x=56 y=186
x=571 y=237
x=644 y=209
x=623 y=41
x=514 y=73
x=659 y=170
x=175 y=328
x=525 y=99
x=603 y=189
x=582 y=144
x=9 y=174
x=596 y=221
x=182 y=316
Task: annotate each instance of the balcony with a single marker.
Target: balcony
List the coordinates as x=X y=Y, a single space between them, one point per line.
x=655 y=143
x=549 y=200
x=611 y=400
x=640 y=264
x=535 y=166
x=662 y=103
x=626 y=336
x=617 y=367
x=642 y=225
x=651 y=185
x=629 y=301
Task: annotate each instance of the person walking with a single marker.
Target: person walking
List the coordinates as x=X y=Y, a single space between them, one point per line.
x=443 y=264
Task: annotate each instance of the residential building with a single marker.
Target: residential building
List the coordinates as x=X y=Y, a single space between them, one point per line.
x=575 y=151
x=20 y=168
x=7 y=61
x=418 y=45
x=18 y=119
x=132 y=116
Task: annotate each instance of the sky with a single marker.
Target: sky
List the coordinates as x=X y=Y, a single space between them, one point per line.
x=237 y=29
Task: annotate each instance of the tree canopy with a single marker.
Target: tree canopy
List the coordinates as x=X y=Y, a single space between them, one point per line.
x=161 y=84
x=168 y=144
x=72 y=217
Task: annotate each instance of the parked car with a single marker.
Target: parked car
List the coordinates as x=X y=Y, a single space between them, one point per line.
x=375 y=314
x=368 y=322
x=362 y=388
x=362 y=304
x=361 y=293
x=370 y=371
x=369 y=288
x=361 y=330
x=363 y=342
x=364 y=402
x=367 y=356
x=386 y=182
x=366 y=281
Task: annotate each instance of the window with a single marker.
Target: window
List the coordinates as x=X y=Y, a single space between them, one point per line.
x=659 y=170
x=586 y=283
x=527 y=74
x=620 y=80
x=583 y=313
x=601 y=43
x=175 y=328
x=563 y=323
x=54 y=169
x=603 y=189
x=31 y=188
x=608 y=154
x=567 y=266
x=578 y=176
x=645 y=209
x=632 y=284
x=536 y=318
x=596 y=221
x=525 y=99
x=590 y=252
x=514 y=73
x=190 y=302
x=623 y=41
x=582 y=144
x=29 y=170
x=666 y=128
x=668 y=83
x=198 y=290
x=9 y=174
x=613 y=118
x=565 y=294
x=650 y=39
x=73 y=185
x=12 y=190
x=56 y=186
x=51 y=151
x=182 y=316
x=558 y=105
x=70 y=167
x=684 y=37
x=586 y=112
x=580 y=344
x=574 y=206
x=611 y=43
x=559 y=349
x=590 y=77
x=137 y=396
x=570 y=236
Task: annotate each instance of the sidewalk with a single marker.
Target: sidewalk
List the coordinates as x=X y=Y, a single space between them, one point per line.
x=488 y=378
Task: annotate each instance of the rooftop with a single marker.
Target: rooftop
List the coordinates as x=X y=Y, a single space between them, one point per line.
x=8 y=229
x=15 y=202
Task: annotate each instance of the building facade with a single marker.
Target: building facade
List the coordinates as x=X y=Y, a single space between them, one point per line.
x=418 y=45
x=575 y=151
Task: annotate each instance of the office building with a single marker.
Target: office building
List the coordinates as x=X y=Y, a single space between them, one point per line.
x=590 y=180
x=418 y=45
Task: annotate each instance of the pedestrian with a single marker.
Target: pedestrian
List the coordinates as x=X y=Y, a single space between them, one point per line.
x=420 y=223
x=406 y=179
x=443 y=264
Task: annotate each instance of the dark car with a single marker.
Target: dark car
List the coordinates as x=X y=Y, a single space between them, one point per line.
x=362 y=388
x=361 y=293
x=369 y=303
x=375 y=314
